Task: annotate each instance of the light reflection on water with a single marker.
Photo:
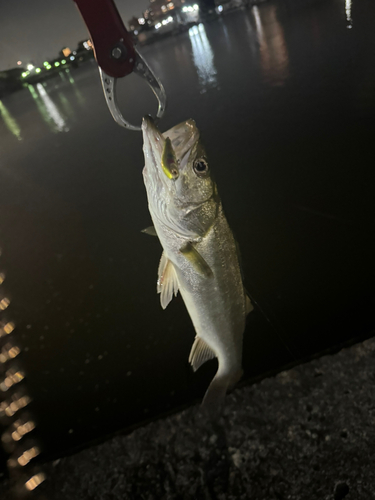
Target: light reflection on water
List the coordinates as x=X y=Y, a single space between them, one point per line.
x=79 y=96
x=70 y=78
x=273 y=51
x=252 y=37
x=348 y=12
x=80 y=99
x=203 y=58
x=66 y=105
x=56 y=113
x=48 y=109
x=252 y=107
x=10 y=122
x=52 y=110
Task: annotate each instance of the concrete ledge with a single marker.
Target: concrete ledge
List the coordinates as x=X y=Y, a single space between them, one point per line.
x=308 y=433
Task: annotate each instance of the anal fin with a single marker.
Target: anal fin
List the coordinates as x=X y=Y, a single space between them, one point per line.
x=167 y=281
x=200 y=353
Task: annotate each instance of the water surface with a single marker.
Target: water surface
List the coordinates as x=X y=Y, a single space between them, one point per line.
x=283 y=95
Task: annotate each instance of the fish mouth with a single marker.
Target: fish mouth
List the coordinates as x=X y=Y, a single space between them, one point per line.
x=166 y=155
x=153 y=146
x=153 y=143
x=159 y=149
x=153 y=140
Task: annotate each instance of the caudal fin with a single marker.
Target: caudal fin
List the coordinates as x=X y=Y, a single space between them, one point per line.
x=214 y=398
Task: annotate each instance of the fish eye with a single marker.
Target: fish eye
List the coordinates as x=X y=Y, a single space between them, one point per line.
x=200 y=167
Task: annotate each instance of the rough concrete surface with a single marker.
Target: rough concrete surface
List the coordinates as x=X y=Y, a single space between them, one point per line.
x=307 y=433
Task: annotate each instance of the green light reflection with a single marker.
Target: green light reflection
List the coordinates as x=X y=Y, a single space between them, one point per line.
x=81 y=100
x=67 y=107
x=71 y=79
x=10 y=122
x=47 y=109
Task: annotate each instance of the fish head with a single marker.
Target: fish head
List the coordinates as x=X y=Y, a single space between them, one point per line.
x=181 y=191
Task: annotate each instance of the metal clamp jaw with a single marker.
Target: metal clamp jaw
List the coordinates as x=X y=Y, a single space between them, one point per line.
x=142 y=69
x=116 y=55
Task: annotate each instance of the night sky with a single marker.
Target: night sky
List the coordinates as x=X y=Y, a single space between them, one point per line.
x=36 y=30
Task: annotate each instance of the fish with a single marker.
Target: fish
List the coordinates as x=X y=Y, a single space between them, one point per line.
x=200 y=256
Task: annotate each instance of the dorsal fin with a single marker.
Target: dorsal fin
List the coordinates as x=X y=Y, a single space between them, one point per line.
x=167 y=281
x=200 y=353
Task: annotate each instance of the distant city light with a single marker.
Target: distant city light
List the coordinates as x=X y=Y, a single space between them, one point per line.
x=63 y=61
x=163 y=8
x=19 y=63
x=72 y=58
x=38 y=70
x=164 y=22
x=136 y=32
x=74 y=52
x=30 y=67
x=220 y=8
x=141 y=20
x=87 y=45
x=170 y=5
x=190 y=8
x=46 y=63
x=24 y=74
x=49 y=66
x=57 y=64
x=66 y=51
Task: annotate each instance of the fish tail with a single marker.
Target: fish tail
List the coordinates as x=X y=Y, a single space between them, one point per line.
x=215 y=394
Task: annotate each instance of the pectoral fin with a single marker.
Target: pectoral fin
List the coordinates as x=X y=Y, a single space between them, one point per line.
x=200 y=353
x=196 y=260
x=149 y=230
x=249 y=306
x=167 y=281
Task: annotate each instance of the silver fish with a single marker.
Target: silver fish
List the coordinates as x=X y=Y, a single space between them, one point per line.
x=200 y=254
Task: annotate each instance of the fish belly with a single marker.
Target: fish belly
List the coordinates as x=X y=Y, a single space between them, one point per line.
x=216 y=305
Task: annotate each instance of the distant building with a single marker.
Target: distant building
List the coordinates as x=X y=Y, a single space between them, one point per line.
x=65 y=52
x=10 y=80
x=84 y=45
x=158 y=9
x=207 y=5
x=133 y=23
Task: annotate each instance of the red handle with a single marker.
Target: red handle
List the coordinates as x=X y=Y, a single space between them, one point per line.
x=113 y=46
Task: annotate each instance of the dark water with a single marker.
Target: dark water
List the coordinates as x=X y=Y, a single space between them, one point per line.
x=284 y=96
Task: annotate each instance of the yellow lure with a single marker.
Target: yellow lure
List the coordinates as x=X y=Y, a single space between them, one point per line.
x=168 y=160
